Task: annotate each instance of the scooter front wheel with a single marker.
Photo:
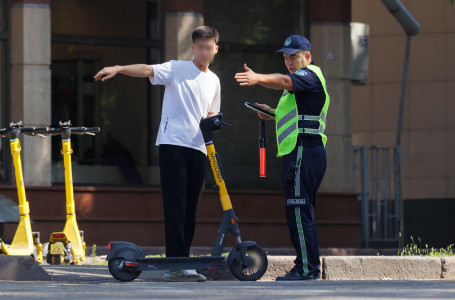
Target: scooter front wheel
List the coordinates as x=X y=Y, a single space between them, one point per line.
x=254 y=264
x=119 y=273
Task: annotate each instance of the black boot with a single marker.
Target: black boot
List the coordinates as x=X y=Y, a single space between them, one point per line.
x=317 y=273
x=294 y=275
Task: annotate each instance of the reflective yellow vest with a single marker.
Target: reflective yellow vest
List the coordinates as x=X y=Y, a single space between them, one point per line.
x=287 y=118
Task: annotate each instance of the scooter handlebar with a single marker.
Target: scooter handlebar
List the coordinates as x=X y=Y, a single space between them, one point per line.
x=217 y=123
x=6 y=132
x=75 y=130
x=43 y=131
x=210 y=124
x=34 y=130
x=85 y=130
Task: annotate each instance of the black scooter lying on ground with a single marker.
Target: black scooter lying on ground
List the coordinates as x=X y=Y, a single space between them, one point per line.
x=247 y=261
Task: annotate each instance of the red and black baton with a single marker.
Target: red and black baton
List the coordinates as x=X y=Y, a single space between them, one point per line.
x=261 y=148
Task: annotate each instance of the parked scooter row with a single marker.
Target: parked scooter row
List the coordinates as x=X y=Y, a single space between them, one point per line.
x=64 y=247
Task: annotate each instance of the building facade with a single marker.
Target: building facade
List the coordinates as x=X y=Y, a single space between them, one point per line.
x=50 y=51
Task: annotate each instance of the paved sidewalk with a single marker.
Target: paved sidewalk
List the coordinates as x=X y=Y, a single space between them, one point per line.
x=93 y=282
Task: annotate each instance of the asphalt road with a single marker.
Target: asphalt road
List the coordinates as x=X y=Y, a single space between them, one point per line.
x=95 y=282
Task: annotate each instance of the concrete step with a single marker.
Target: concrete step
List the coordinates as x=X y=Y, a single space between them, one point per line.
x=361 y=268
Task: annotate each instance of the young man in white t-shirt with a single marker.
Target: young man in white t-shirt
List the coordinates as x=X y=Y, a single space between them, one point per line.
x=192 y=92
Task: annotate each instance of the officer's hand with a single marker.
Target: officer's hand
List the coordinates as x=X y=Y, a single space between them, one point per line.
x=267 y=108
x=247 y=78
x=105 y=74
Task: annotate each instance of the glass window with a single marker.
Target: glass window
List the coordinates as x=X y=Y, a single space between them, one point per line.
x=2 y=14
x=106 y=18
x=254 y=22
x=124 y=107
x=249 y=34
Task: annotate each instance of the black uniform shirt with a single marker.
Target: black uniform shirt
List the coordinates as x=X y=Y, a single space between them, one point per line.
x=310 y=97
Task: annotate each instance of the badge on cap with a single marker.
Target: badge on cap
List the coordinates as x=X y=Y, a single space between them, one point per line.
x=287 y=42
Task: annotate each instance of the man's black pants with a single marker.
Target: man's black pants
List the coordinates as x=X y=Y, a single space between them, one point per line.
x=303 y=171
x=182 y=172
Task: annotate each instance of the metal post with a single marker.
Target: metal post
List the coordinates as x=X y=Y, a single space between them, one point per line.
x=385 y=191
x=377 y=193
x=399 y=131
x=365 y=196
x=403 y=89
x=399 y=200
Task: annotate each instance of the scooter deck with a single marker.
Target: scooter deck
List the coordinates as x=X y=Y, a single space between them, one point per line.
x=178 y=263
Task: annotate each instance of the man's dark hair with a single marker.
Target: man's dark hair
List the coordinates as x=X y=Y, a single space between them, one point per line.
x=205 y=32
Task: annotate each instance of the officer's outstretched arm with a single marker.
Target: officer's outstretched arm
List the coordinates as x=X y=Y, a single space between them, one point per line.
x=271 y=81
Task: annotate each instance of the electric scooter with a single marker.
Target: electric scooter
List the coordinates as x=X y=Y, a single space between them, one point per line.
x=68 y=246
x=246 y=260
x=25 y=242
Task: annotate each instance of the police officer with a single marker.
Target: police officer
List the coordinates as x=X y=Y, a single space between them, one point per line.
x=300 y=123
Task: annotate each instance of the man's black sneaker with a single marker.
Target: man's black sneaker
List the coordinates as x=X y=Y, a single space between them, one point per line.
x=292 y=275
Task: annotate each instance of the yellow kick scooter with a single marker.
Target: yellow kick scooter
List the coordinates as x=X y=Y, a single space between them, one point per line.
x=68 y=246
x=247 y=260
x=25 y=242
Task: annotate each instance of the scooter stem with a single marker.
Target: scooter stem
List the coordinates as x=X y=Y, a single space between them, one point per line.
x=67 y=151
x=219 y=178
x=208 y=125
x=16 y=153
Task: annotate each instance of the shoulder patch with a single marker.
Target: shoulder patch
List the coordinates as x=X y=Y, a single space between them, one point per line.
x=301 y=72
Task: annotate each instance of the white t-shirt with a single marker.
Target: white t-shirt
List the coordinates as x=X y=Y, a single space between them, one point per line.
x=189 y=96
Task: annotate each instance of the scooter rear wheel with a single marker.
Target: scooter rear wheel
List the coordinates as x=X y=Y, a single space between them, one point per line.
x=56 y=259
x=252 y=272
x=119 y=273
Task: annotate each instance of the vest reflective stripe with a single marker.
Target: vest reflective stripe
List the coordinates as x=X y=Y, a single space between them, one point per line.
x=285 y=133
x=287 y=118
x=286 y=122
x=311 y=131
x=309 y=118
x=313 y=118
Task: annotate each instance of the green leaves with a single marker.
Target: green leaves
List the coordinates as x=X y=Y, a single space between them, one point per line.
x=414 y=249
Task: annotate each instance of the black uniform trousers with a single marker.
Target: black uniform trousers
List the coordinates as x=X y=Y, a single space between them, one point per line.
x=182 y=173
x=303 y=171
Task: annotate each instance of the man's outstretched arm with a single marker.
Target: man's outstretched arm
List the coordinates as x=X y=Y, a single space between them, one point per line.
x=140 y=70
x=271 y=81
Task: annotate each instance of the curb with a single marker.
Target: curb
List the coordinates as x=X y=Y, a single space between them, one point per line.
x=382 y=268
x=448 y=268
x=369 y=268
x=355 y=268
